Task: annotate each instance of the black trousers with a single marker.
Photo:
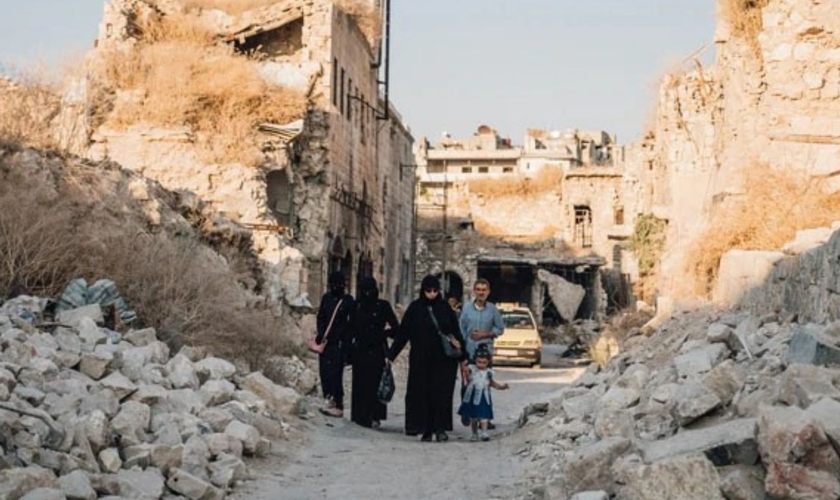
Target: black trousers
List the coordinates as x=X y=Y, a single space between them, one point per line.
x=331 y=369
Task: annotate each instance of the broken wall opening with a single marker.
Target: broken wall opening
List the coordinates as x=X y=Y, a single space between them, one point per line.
x=509 y=282
x=280 y=193
x=281 y=42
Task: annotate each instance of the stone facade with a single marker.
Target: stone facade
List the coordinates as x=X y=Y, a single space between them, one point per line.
x=487 y=208
x=329 y=184
x=772 y=98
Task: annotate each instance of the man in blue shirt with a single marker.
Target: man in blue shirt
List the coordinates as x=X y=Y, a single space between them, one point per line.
x=481 y=322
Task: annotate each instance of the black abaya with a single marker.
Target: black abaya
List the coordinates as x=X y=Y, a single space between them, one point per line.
x=368 y=357
x=431 y=375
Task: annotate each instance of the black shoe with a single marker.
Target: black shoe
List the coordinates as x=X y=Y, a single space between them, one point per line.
x=465 y=421
x=491 y=426
x=427 y=437
x=441 y=437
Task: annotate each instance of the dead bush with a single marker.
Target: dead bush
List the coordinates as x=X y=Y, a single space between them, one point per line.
x=744 y=17
x=27 y=107
x=232 y=7
x=547 y=180
x=67 y=228
x=179 y=77
x=775 y=205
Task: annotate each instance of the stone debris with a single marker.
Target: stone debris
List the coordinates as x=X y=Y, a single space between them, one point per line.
x=125 y=418
x=707 y=407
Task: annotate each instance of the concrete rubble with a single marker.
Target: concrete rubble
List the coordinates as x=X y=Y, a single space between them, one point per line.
x=127 y=418
x=712 y=405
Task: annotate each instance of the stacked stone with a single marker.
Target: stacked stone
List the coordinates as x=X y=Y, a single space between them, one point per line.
x=710 y=406
x=105 y=415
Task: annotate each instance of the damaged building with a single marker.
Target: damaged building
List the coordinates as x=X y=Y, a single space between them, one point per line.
x=547 y=223
x=326 y=185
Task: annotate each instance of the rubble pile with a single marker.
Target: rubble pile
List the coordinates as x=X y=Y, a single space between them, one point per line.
x=712 y=405
x=86 y=412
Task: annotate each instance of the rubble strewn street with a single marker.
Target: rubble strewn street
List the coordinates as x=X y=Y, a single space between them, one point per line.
x=86 y=412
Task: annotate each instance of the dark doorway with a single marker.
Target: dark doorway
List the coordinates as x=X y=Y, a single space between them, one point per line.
x=453 y=285
x=509 y=281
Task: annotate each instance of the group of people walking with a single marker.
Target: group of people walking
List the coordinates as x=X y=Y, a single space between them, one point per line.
x=356 y=332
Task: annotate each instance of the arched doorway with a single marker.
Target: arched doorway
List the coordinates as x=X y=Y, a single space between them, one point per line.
x=365 y=268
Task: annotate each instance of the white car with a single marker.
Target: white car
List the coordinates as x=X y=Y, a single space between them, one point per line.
x=520 y=343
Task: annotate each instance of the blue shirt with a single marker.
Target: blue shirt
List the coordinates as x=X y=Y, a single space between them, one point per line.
x=486 y=319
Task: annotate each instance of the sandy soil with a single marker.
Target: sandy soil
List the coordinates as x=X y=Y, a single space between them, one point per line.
x=336 y=459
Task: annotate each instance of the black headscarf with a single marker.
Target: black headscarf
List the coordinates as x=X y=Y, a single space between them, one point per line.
x=430 y=282
x=368 y=291
x=335 y=282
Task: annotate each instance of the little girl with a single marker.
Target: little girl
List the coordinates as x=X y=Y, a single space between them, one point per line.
x=476 y=403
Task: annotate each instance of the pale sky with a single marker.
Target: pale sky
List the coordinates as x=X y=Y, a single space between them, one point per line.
x=512 y=64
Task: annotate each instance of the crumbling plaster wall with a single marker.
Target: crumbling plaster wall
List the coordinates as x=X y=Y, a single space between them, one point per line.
x=774 y=99
x=330 y=153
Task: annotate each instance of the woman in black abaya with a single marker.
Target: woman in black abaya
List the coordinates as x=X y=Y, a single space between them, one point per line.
x=431 y=374
x=373 y=322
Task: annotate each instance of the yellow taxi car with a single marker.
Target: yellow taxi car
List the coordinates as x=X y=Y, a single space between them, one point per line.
x=520 y=343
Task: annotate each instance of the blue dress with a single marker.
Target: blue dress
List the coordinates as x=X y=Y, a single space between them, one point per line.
x=476 y=401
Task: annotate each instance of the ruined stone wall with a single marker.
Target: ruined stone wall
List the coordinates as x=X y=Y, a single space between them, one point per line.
x=772 y=98
x=397 y=188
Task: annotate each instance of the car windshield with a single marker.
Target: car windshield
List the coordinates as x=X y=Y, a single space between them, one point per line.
x=517 y=320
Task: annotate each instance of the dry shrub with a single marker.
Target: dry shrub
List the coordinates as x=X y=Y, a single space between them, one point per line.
x=775 y=205
x=179 y=77
x=176 y=284
x=548 y=179
x=232 y=7
x=27 y=107
x=744 y=17
x=367 y=17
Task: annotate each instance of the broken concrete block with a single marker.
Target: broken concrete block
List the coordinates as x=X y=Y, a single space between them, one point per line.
x=73 y=317
x=118 y=383
x=215 y=369
x=248 y=435
x=724 y=444
x=580 y=407
x=691 y=477
x=282 y=400
x=808 y=391
x=792 y=435
x=216 y=392
x=196 y=455
x=251 y=400
x=226 y=470
x=149 y=394
x=141 y=484
x=787 y=480
x=725 y=380
x=140 y=338
x=741 y=482
x=76 y=486
x=590 y=467
x=185 y=401
x=809 y=347
x=700 y=361
x=132 y=423
x=182 y=375
x=618 y=398
x=566 y=296
x=44 y=494
x=263 y=449
x=94 y=426
x=610 y=423
x=192 y=487
x=96 y=364
x=15 y=483
x=692 y=401
x=90 y=334
x=590 y=495
x=109 y=459
x=664 y=393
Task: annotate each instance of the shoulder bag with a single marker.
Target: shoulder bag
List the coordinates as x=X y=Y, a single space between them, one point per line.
x=450 y=346
x=313 y=344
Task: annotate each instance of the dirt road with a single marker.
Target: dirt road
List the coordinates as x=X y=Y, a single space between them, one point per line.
x=342 y=461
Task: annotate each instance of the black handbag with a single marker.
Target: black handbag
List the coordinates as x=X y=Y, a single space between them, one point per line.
x=386 y=389
x=446 y=341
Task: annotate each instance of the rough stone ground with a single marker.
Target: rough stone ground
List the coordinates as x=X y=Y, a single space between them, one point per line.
x=340 y=460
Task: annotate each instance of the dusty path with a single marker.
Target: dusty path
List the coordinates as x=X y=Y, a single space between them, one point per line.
x=342 y=461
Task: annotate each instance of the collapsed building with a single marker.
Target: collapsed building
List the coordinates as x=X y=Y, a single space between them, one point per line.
x=324 y=186
x=558 y=208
